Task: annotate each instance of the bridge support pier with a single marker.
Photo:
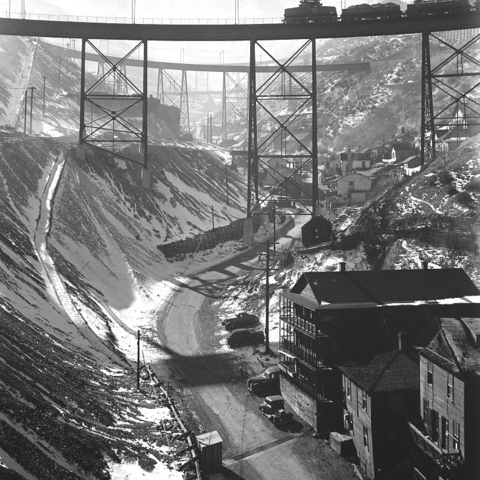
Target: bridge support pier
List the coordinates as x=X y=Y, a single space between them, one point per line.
x=283 y=153
x=172 y=90
x=111 y=108
x=458 y=118
x=234 y=102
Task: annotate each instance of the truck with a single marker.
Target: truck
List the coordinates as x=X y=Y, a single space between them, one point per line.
x=267 y=380
x=274 y=409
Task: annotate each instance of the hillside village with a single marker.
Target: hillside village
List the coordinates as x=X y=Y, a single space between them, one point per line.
x=112 y=297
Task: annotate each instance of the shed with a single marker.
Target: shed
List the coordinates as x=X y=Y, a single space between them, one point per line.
x=210 y=445
x=317 y=230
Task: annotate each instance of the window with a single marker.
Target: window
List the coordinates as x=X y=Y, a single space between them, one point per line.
x=365 y=437
x=349 y=387
x=364 y=400
x=456 y=435
x=349 y=421
x=445 y=433
x=351 y=186
x=430 y=372
x=450 y=386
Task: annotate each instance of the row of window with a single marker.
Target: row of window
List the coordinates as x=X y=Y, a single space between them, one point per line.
x=438 y=428
x=360 y=392
x=450 y=381
x=350 y=428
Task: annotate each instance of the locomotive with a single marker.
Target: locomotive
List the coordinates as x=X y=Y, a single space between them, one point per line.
x=310 y=11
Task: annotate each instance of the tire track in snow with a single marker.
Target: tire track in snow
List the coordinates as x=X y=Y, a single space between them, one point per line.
x=56 y=283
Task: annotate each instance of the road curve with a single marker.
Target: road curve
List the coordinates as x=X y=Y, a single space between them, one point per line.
x=253 y=449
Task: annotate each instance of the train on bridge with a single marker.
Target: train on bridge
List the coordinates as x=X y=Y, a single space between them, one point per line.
x=312 y=11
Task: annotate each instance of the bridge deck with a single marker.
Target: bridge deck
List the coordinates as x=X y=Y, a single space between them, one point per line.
x=55 y=29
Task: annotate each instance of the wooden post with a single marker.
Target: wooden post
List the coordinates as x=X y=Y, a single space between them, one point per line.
x=138 y=360
x=267 y=299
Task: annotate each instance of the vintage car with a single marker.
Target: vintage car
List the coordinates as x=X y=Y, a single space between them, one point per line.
x=274 y=409
x=242 y=320
x=267 y=380
x=245 y=336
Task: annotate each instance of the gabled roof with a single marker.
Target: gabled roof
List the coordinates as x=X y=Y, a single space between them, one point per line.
x=387 y=372
x=410 y=159
x=319 y=219
x=356 y=289
x=453 y=345
x=352 y=173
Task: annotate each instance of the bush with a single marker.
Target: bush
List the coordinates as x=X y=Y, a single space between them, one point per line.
x=473 y=185
x=451 y=190
x=444 y=177
x=464 y=199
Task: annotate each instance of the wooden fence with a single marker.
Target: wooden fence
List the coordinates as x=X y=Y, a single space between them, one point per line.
x=207 y=240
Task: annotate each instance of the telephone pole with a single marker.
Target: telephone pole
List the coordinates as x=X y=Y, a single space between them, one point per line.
x=25 y=114
x=43 y=109
x=267 y=300
x=31 y=107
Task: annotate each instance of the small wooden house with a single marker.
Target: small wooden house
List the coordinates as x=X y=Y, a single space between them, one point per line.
x=353 y=188
x=317 y=230
x=450 y=399
x=381 y=397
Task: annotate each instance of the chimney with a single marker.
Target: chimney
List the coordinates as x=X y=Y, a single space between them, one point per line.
x=401 y=340
x=342 y=266
x=425 y=264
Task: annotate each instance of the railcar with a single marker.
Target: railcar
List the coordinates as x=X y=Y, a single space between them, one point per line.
x=438 y=7
x=377 y=11
x=310 y=11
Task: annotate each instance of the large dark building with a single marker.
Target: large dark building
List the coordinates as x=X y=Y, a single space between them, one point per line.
x=330 y=318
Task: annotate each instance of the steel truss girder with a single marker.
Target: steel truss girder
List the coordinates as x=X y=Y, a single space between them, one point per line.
x=110 y=99
x=234 y=101
x=172 y=90
x=301 y=99
x=462 y=109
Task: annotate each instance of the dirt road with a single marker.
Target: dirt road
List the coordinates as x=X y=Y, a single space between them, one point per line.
x=253 y=449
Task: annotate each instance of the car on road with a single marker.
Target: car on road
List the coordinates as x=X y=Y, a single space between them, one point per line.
x=242 y=320
x=273 y=408
x=267 y=380
x=245 y=336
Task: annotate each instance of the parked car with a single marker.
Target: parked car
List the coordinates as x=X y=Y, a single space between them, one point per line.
x=267 y=380
x=245 y=336
x=274 y=409
x=242 y=320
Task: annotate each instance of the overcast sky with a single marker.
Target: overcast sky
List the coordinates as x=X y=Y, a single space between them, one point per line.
x=162 y=8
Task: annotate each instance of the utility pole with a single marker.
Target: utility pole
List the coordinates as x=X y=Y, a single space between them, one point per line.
x=31 y=107
x=213 y=219
x=138 y=360
x=274 y=224
x=25 y=114
x=43 y=109
x=226 y=184
x=267 y=299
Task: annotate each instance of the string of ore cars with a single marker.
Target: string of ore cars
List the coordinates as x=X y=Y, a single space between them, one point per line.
x=312 y=11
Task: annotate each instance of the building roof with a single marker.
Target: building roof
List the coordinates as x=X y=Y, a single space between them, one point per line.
x=387 y=372
x=319 y=219
x=353 y=173
x=414 y=158
x=453 y=345
x=366 y=289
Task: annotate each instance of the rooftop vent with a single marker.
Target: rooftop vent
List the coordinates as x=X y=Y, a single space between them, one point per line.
x=342 y=266
x=425 y=264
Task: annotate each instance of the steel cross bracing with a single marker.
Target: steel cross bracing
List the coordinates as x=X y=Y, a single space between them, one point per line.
x=234 y=103
x=172 y=90
x=282 y=137
x=109 y=119
x=456 y=115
